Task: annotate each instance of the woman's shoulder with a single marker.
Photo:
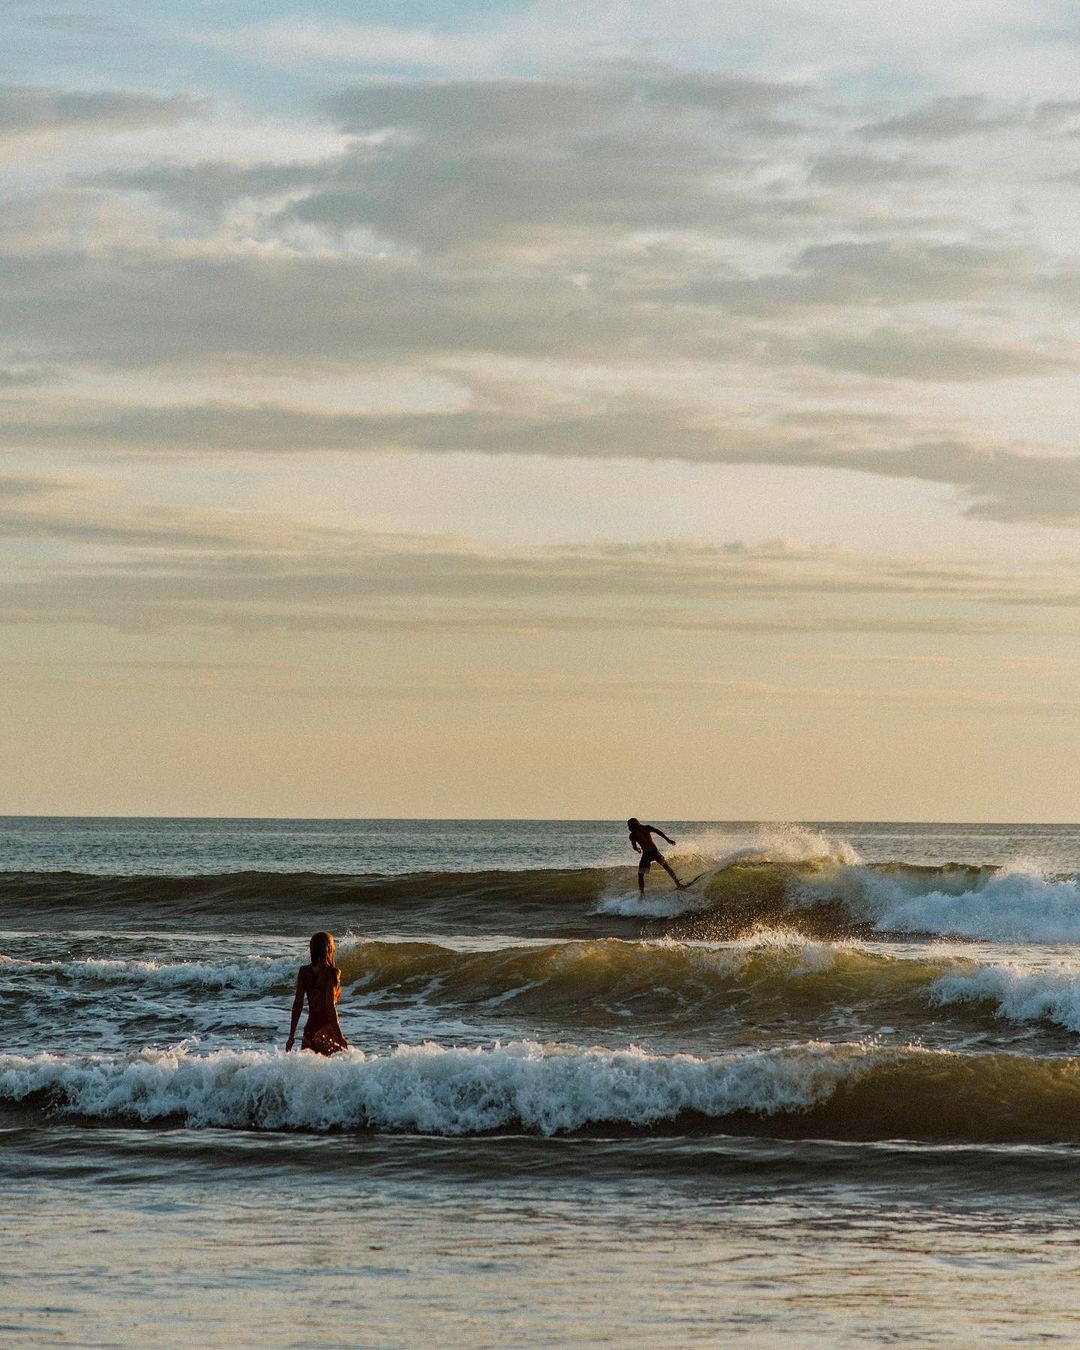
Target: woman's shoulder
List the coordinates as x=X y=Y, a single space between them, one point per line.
x=319 y=972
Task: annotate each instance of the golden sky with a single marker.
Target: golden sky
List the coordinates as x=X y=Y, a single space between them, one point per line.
x=540 y=409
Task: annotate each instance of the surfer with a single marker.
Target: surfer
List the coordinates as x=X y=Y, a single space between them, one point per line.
x=321 y=982
x=641 y=837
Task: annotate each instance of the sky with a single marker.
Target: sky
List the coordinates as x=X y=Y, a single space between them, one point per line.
x=540 y=409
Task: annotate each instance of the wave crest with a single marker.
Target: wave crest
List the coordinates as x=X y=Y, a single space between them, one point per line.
x=257 y=974
x=540 y=1088
x=856 y=1090
x=782 y=884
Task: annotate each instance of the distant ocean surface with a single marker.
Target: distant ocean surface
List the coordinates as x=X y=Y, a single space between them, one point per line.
x=829 y=1095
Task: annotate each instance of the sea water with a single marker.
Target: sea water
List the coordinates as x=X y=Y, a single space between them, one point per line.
x=829 y=1095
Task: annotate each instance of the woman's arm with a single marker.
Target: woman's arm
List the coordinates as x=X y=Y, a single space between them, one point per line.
x=297 y=1009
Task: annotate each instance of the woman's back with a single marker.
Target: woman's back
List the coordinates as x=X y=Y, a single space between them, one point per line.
x=321 y=984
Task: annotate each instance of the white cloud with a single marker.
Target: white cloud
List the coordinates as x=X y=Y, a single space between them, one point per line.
x=917 y=40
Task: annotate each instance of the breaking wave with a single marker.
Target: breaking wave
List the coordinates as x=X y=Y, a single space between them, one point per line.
x=854 y=1090
x=1016 y=995
x=760 y=978
x=989 y=904
x=788 y=878
x=772 y=979
x=257 y=974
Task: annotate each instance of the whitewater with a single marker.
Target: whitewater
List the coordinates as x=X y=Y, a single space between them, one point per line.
x=870 y=1031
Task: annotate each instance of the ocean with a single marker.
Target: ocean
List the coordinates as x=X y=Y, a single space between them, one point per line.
x=829 y=1095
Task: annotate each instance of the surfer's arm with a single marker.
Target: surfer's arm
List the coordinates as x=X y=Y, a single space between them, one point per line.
x=297 y=1009
x=661 y=834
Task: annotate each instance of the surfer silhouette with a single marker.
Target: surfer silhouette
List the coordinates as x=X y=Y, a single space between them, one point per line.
x=321 y=982
x=641 y=838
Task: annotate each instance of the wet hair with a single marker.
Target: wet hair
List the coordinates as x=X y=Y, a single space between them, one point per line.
x=321 y=948
x=632 y=822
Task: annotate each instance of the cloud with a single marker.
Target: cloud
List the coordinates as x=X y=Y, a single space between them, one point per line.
x=159 y=528
x=474 y=111
x=524 y=238
x=28 y=110
x=931 y=354
x=604 y=231
x=456 y=164
x=954 y=116
x=300 y=602
x=254 y=306
x=996 y=485
x=152 y=568
x=266 y=680
x=210 y=188
x=643 y=148
x=1060 y=116
x=294 y=308
x=16 y=486
x=992 y=482
x=908 y=44
x=874 y=274
x=947 y=118
x=19 y=377
x=849 y=169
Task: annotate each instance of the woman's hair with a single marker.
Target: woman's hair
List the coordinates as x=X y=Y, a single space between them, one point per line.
x=321 y=947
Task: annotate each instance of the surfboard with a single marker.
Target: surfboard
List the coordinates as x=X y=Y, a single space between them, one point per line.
x=687 y=884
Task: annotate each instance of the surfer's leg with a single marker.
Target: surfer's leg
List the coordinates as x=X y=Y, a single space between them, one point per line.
x=642 y=868
x=671 y=874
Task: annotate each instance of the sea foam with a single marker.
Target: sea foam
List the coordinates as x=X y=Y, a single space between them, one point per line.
x=257 y=974
x=1003 y=905
x=714 y=851
x=543 y=1088
x=1017 y=995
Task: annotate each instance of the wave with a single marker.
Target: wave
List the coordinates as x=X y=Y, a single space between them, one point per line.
x=522 y=901
x=562 y=977
x=1016 y=995
x=993 y=904
x=771 y=979
x=806 y=881
x=855 y=1091
x=764 y=979
x=777 y=886
x=257 y=974
x=826 y=898
x=592 y=981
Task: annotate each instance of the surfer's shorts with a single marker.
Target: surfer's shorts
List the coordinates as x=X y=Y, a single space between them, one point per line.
x=647 y=860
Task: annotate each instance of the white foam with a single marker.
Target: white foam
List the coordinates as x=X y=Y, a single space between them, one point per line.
x=795 y=954
x=1010 y=906
x=768 y=843
x=660 y=905
x=546 y=1088
x=257 y=974
x=1051 y=995
x=718 y=850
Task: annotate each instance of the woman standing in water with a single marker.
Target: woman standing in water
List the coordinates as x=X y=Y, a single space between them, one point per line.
x=321 y=982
